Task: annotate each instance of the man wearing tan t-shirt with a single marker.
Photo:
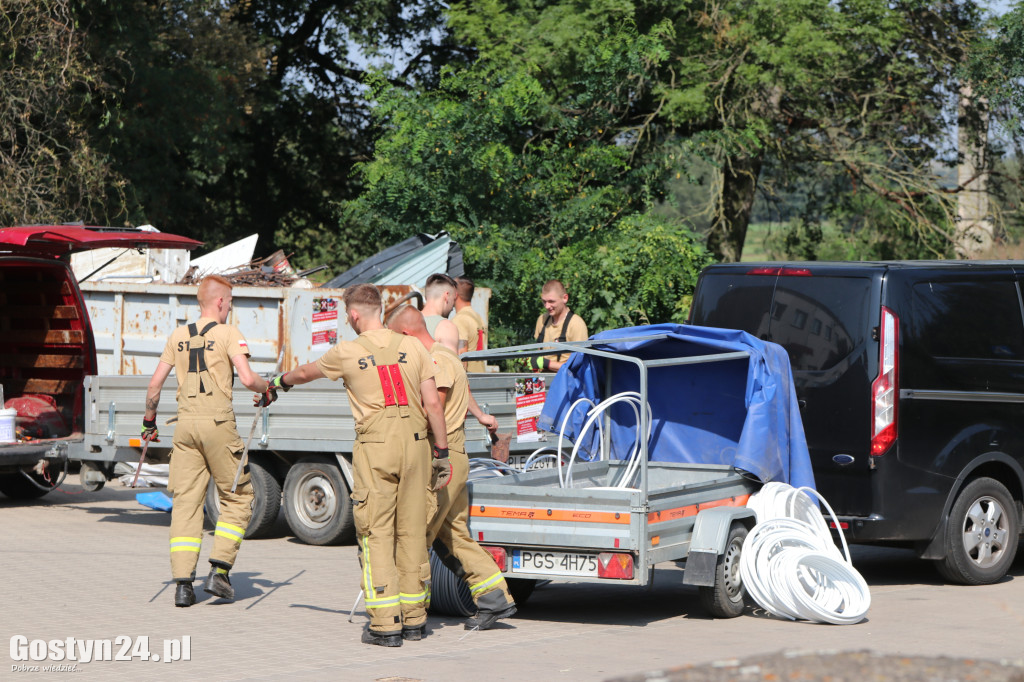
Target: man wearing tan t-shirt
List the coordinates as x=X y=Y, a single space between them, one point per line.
x=558 y=324
x=448 y=516
x=472 y=328
x=206 y=441
x=390 y=383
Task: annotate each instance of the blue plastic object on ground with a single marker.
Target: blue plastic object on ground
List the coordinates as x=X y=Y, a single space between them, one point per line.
x=155 y=500
x=740 y=412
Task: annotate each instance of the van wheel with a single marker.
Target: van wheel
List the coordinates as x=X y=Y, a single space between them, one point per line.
x=726 y=598
x=981 y=534
x=17 y=487
x=317 y=504
x=266 y=502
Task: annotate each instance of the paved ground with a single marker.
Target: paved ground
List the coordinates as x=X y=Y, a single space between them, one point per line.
x=95 y=566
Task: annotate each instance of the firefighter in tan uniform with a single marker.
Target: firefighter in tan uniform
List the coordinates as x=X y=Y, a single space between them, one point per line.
x=558 y=324
x=390 y=384
x=206 y=442
x=472 y=328
x=449 y=513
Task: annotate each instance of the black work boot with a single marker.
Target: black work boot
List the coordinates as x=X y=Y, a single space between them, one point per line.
x=219 y=584
x=184 y=595
x=414 y=634
x=382 y=638
x=489 y=608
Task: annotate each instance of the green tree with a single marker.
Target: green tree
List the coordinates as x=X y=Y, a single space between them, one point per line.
x=536 y=183
x=858 y=88
x=49 y=170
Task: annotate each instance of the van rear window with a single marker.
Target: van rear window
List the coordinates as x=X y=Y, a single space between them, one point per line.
x=970 y=320
x=820 y=320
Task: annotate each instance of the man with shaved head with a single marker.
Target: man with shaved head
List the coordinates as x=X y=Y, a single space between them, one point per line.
x=448 y=511
x=206 y=442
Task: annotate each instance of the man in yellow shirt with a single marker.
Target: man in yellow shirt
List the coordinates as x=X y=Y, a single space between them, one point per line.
x=390 y=383
x=558 y=324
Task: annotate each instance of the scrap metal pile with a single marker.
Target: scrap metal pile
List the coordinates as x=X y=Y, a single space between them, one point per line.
x=272 y=271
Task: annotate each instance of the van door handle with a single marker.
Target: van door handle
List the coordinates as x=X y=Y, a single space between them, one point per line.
x=801 y=403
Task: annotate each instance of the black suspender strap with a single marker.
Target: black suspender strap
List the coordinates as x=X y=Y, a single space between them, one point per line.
x=565 y=327
x=197 y=359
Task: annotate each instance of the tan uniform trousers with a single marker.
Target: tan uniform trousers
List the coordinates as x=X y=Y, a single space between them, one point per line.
x=204 y=447
x=390 y=469
x=448 y=511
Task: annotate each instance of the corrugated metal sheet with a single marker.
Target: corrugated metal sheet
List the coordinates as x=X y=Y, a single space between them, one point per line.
x=416 y=267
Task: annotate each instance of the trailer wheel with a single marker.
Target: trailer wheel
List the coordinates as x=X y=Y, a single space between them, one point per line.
x=726 y=598
x=521 y=589
x=266 y=501
x=981 y=534
x=317 y=504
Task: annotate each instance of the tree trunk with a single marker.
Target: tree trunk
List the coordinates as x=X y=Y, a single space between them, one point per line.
x=974 y=229
x=735 y=201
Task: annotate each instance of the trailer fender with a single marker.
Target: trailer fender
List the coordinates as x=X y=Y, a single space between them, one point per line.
x=346 y=469
x=710 y=533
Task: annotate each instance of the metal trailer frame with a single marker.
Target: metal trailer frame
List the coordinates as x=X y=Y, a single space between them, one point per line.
x=711 y=526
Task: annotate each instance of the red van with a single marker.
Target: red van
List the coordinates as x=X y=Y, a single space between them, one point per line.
x=47 y=346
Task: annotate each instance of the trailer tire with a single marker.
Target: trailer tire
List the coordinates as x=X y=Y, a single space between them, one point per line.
x=316 y=502
x=727 y=597
x=266 y=502
x=521 y=589
x=985 y=509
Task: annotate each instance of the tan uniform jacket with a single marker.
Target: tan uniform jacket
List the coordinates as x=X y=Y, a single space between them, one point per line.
x=223 y=342
x=450 y=375
x=575 y=331
x=470 y=325
x=350 y=361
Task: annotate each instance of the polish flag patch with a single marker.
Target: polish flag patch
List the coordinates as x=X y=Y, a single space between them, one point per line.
x=241 y=342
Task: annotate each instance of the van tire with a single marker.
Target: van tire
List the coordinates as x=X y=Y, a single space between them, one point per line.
x=727 y=597
x=316 y=502
x=984 y=510
x=17 y=487
x=266 y=503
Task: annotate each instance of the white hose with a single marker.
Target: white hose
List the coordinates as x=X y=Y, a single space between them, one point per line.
x=790 y=566
x=632 y=398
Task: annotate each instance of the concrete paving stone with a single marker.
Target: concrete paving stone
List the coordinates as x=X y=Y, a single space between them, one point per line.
x=95 y=566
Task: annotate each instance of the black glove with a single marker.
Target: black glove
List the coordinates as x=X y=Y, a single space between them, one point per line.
x=541 y=364
x=149 y=431
x=441 y=469
x=270 y=395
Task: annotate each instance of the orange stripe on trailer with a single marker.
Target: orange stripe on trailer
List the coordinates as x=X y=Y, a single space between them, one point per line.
x=693 y=509
x=576 y=515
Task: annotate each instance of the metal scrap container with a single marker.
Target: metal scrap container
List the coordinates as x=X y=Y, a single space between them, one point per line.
x=131 y=322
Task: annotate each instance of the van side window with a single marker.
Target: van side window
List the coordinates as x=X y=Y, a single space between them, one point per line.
x=975 y=320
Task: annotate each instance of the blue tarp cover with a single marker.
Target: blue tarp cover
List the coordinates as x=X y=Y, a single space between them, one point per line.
x=741 y=413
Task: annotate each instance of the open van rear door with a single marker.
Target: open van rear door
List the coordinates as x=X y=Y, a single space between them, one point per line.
x=59 y=240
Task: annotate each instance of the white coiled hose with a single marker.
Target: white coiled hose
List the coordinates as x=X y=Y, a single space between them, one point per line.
x=790 y=566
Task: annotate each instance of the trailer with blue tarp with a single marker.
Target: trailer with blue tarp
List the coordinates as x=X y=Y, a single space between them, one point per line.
x=720 y=417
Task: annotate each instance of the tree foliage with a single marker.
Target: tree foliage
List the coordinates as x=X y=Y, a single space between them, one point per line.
x=538 y=180
x=49 y=169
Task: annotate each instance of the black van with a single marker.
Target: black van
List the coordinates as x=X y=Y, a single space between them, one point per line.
x=910 y=380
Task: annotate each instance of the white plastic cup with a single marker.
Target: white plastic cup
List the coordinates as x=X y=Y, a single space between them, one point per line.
x=8 y=416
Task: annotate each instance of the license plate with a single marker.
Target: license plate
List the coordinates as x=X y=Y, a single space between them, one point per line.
x=519 y=461
x=554 y=563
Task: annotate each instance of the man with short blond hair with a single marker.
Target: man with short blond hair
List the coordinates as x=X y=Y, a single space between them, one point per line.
x=206 y=442
x=558 y=324
x=448 y=516
x=390 y=383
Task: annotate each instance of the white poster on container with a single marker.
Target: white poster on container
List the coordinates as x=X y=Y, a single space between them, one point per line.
x=325 y=323
x=530 y=395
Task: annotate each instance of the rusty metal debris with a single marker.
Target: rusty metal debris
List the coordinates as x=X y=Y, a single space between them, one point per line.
x=263 y=272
